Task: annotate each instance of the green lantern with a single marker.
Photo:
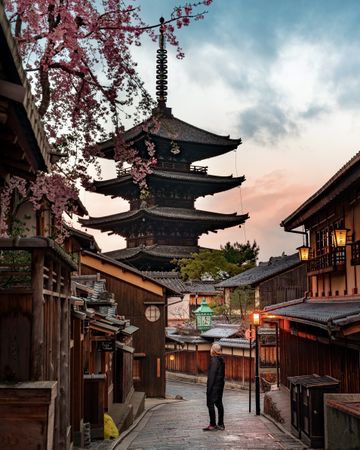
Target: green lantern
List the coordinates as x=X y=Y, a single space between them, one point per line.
x=203 y=316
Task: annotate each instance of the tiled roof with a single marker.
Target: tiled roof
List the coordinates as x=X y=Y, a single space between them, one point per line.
x=221 y=332
x=177 y=130
x=339 y=312
x=201 y=287
x=107 y=258
x=235 y=343
x=188 y=287
x=274 y=266
x=171 y=279
x=165 y=213
x=185 y=339
x=170 y=251
x=192 y=177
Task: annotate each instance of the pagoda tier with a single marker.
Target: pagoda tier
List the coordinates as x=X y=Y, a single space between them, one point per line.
x=156 y=257
x=176 y=142
x=163 y=225
x=185 y=186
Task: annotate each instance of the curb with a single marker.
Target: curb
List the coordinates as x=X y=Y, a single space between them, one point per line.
x=284 y=430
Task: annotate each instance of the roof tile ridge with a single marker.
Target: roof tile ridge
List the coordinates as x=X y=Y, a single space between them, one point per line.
x=206 y=131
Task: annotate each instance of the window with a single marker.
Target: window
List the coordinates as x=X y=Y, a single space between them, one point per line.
x=152 y=313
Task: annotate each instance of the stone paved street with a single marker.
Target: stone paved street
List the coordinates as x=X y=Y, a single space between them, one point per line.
x=179 y=425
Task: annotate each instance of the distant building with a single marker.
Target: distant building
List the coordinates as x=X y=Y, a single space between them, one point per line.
x=280 y=279
x=181 y=307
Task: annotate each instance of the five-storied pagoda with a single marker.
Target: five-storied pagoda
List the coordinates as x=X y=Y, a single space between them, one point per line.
x=166 y=225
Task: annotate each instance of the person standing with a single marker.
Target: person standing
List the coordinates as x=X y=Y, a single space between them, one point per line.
x=215 y=389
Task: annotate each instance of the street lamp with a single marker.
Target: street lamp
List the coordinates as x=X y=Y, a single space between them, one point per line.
x=256 y=323
x=304 y=252
x=203 y=316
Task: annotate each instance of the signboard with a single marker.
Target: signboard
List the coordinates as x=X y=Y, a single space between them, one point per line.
x=250 y=334
x=106 y=346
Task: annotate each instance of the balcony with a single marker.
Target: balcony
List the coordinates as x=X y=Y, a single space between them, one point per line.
x=333 y=261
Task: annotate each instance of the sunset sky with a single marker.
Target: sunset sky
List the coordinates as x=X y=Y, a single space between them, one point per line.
x=285 y=77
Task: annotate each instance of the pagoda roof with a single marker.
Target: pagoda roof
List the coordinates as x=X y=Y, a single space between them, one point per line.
x=206 y=183
x=159 y=256
x=170 y=128
x=210 y=220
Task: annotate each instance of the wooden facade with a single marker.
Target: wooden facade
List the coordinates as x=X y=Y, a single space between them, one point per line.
x=194 y=359
x=321 y=332
x=307 y=355
x=35 y=322
x=282 y=287
x=135 y=295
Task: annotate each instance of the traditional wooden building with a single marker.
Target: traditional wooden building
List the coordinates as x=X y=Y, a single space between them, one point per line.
x=35 y=284
x=280 y=279
x=165 y=224
x=191 y=355
x=320 y=333
x=143 y=301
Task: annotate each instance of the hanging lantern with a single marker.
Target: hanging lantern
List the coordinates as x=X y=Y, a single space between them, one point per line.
x=203 y=316
x=340 y=236
x=304 y=253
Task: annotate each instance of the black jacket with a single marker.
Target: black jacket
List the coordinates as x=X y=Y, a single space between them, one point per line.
x=216 y=378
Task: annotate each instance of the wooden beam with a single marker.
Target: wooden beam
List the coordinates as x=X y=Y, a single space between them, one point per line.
x=351 y=329
x=12 y=91
x=37 y=335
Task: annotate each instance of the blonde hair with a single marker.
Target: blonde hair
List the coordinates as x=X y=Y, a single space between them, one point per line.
x=215 y=349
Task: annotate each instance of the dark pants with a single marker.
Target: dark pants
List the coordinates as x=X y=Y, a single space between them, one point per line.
x=211 y=407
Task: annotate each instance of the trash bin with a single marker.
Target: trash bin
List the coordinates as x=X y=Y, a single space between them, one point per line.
x=307 y=406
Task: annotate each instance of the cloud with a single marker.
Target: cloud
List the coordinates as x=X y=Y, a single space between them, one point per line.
x=268 y=200
x=266 y=123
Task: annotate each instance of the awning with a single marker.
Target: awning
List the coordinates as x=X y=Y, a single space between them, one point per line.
x=125 y=348
x=327 y=314
x=103 y=327
x=131 y=329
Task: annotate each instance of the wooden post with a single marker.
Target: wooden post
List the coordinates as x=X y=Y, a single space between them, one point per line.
x=277 y=354
x=37 y=335
x=64 y=367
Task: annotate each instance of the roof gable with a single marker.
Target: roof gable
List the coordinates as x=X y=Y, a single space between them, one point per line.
x=263 y=271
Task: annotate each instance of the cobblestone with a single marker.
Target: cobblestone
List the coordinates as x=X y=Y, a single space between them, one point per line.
x=179 y=425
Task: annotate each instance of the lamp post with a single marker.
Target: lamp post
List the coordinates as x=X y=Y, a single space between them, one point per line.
x=203 y=316
x=256 y=322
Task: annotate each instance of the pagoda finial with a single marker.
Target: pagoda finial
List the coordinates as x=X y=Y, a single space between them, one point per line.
x=161 y=68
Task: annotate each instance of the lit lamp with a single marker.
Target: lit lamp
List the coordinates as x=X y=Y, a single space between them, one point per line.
x=172 y=357
x=256 y=322
x=340 y=236
x=304 y=252
x=203 y=316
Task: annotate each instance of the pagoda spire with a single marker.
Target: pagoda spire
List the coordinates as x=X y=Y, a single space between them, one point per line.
x=161 y=69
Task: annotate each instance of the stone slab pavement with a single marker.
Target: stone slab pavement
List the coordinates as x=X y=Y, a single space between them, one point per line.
x=178 y=425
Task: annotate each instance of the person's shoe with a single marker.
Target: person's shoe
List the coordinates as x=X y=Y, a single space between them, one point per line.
x=221 y=427
x=210 y=428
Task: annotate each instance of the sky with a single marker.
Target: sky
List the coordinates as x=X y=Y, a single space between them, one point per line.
x=281 y=74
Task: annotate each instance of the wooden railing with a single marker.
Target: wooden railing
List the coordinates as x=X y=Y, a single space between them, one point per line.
x=329 y=262
x=167 y=165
